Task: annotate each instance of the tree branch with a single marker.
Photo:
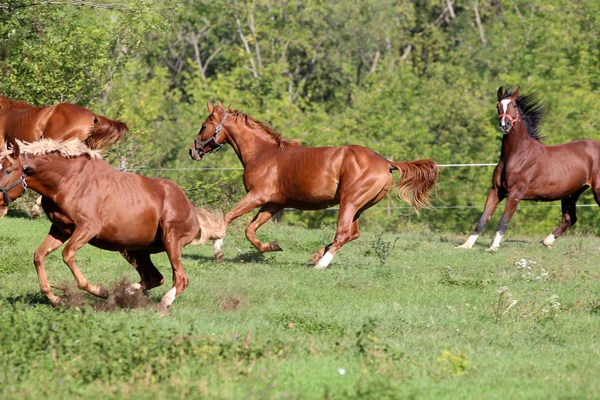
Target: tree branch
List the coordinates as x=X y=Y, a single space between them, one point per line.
x=479 y=25
x=246 y=46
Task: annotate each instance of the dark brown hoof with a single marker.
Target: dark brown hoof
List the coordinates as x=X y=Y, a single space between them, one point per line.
x=312 y=262
x=219 y=256
x=275 y=246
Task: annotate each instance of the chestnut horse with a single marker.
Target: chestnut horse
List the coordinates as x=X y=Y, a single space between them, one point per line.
x=280 y=173
x=22 y=121
x=88 y=201
x=530 y=170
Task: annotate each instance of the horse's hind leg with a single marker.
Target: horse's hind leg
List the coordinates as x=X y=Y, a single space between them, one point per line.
x=149 y=275
x=494 y=197
x=265 y=214
x=52 y=242
x=321 y=252
x=80 y=237
x=173 y=247
x=569 y=218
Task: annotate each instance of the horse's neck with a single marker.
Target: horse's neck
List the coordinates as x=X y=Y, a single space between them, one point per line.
x=6 y=103
x=249 y=144
x=49 y=171
x=517 y=140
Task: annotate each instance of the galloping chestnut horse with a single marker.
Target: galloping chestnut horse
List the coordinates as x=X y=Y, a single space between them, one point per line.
x=22 y=121
x=88 y=201
x=530 y=170
x=280 y=173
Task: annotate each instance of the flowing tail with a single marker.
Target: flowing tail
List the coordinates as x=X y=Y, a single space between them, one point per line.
x=211 y=226
x=417 y=178
x=105 y=133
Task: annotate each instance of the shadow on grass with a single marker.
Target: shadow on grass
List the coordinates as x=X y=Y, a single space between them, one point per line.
x=31 y=298
x=20 y=214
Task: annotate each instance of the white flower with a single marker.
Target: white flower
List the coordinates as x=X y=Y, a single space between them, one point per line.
x=341 y=371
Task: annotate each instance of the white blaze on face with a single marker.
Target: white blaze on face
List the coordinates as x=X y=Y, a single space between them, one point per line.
x=505 y=104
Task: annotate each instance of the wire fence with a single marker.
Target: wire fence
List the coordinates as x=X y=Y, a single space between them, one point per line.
x=441 y=207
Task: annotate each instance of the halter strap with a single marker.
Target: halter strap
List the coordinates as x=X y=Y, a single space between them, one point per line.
x=512 y=120
x=213 y=138
x=5 y=190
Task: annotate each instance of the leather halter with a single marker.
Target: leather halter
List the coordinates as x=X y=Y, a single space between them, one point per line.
x=5 y=190
x=213 y=138
x=512 y=120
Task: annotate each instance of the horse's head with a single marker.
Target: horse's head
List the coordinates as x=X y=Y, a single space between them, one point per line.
x=12 y=174
x=508 y=110
x=211 y=136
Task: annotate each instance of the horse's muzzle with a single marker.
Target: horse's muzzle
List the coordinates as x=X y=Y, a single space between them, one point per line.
x=505 y=127
x=195 y=154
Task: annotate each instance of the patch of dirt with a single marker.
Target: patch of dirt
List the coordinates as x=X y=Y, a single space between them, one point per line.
x=119 y=297
x=229 y=304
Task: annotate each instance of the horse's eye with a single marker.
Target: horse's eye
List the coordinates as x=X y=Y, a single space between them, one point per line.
x=203 y=128
x=7 y=172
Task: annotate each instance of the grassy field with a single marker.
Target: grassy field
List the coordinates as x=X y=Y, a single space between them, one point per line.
x=395 y=316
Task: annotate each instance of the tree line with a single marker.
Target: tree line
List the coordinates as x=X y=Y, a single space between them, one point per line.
x=409 y=79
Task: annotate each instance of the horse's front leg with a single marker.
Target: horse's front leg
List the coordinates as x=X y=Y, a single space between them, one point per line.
x=494 y=197
x=83 y=233
x=265 y=213
x=509 y=210
x=52 y=242
x=247 y=204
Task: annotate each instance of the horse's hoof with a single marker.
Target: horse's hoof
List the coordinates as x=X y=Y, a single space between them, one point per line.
x=102 y=292
x=56 y=303
x=275 y=246
x=162 y=310
x=317 y=266
x=492 y=249
x=219 y=256
x=312 y=262
x=463 y=246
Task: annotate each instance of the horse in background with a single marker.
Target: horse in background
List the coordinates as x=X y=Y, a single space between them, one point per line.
x=119 y=211
x=530 y=170
x=280 y=173
x=22 y=121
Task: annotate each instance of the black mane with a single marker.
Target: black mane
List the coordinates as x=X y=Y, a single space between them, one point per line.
x=532 y=110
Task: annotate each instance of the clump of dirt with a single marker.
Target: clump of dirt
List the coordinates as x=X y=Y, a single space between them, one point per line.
x=229 y=304
x=119 y=297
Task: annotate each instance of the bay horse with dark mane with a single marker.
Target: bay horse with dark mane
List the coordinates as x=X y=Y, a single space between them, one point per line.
x=530 y=170
x=88 y=201
x=280 y=173
x=22 y=121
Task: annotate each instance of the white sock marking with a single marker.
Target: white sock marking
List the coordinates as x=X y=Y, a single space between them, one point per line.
x=217 y=244
x=169 y=298
x=324 y=261
x=549 y=240
x=497 y=240
x=134 y=287
x=470 y=241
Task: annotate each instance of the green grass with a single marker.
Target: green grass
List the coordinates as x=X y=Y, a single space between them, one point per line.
x=395 y=316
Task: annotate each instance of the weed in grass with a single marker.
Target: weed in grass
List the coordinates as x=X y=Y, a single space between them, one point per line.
x=383 y=247
x=448 y=279
x=455 y=363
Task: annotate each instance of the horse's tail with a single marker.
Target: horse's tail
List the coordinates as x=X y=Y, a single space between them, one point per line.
x=105 y=132
x=417 y=178
x=212 y=226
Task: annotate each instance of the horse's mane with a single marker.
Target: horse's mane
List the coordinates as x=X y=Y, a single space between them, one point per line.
x=69 y=149
x=532 y=110
x=263 y=126
x=6 y=103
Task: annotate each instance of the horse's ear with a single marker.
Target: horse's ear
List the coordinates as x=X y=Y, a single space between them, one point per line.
x=219 y=104
x=516 y=93
x=210 y=107
x=500 y=93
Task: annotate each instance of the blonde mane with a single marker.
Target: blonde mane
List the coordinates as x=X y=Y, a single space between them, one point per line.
x=69 y=149
x=263 y=126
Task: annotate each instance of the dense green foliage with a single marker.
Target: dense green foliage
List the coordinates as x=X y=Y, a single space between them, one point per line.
x=409 y=79
x=396 y=316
